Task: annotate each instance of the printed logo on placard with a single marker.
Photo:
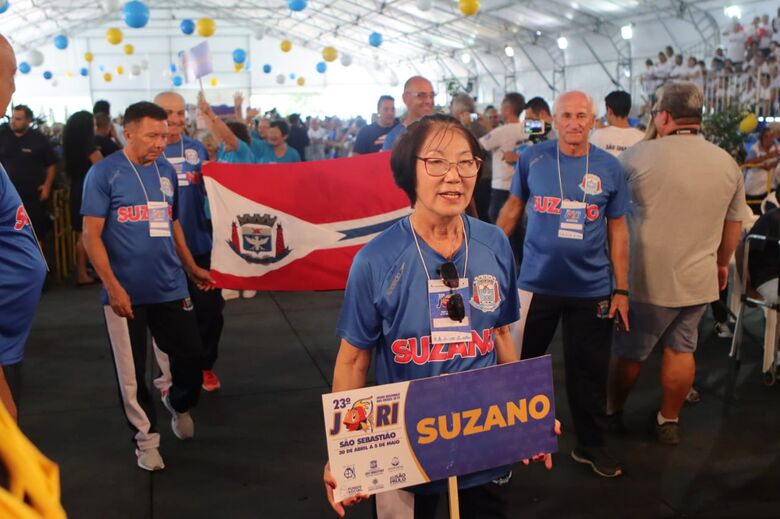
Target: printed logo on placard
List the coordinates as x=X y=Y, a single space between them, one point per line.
x=349 y=472
x=359 y=416
x=485 y=294
x=258 y=238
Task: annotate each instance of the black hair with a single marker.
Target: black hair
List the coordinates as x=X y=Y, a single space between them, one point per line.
x=26 y=109
x=403 y=161
x=78 y=136
x=239 y=130
x=294 y=119
x=137 y=111
x=516 y=101
x=619 y=102
x=382 y=99
x=102 y=120
x=537 y=104
x=101 y=107
x=283 y=127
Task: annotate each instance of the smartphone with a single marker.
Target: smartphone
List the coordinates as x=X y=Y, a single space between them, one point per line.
x=534 y=127
x=619 y=324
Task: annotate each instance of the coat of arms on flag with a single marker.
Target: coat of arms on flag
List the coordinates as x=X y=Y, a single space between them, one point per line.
x=258 y=238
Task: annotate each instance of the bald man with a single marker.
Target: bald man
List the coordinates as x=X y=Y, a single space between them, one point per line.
x=575 y=243
x=418 y=97
x=187 y=155
x=22 y=267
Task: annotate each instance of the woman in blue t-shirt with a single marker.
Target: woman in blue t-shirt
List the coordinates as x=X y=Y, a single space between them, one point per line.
x=386 y=309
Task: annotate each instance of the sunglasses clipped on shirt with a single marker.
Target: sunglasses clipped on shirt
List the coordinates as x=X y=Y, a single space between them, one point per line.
x=449 y=276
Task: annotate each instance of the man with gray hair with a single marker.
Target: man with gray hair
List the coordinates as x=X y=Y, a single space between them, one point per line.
x=576 y=242
x=688 y=203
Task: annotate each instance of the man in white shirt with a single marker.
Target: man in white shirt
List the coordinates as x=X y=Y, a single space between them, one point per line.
x=618 y=136
x=499 y=141
x=735 y=48
x=679 y=71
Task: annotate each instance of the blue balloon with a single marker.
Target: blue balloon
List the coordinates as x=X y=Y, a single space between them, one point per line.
x=47 y=75
x=84 y=71
x=239 y=56
x=136 y=14
x=292 y=76
x=101 y=68
x=24 y=67
x=61 y=41
x=172 y=68
x=187 y=26
x=177 y=81
x=375 y=39
x=4 y=6
x=321 y=67
x=296 y=5
x=267 y=68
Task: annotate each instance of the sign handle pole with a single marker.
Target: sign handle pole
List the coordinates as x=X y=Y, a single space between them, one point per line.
x=452 y=486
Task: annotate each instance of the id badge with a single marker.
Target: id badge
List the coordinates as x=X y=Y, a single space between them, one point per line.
x=572 y=223
x=159 y=220
x=443 y=329
x=181 y=176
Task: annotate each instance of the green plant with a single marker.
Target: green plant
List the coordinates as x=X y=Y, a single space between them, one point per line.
x=722 y=129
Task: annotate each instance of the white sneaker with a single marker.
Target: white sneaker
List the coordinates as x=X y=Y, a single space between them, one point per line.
x=227 y=294
x=724 y=332
x=149 y=459
x=248 y=294
x=181 y=423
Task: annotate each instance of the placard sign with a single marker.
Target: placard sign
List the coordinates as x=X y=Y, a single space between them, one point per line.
x=397 y=435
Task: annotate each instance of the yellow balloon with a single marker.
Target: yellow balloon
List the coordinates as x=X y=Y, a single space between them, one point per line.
x=748 y=124
x=107 y=77
x=88 y=57
x=205 y=27
x=469 y=7
x=213 y=81
x=68 y=74
x=330 y=54
x=129 y=49
x=238 y=67
x=114 y=36
x=286 y=45
x=120 y=70
x=300 y=81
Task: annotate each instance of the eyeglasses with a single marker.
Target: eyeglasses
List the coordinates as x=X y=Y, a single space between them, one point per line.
x=437 y=167
x=653 y=113
x=449 y=276
x=422 y=95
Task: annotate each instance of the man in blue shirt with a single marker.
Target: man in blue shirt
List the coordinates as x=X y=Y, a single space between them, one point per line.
x=575 y=242
x=276 y=150
x=22 y=267
x=136 y=244
x=186 y=156
x=418 y=97
x=371 y=138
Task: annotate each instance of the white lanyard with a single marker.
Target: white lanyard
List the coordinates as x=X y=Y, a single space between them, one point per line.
x=465 y=237
x=181 y=141
x=139 y=178
x=587 y=163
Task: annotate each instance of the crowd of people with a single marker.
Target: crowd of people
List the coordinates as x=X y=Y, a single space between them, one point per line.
x=572 y=223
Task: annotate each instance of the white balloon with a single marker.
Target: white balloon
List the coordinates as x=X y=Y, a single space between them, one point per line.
x=54 y=82
x=110 y=5
x=144 y=64
x=135 y=70
x=259 y=33
x=346 y=60
x=424 y=5
x=35 y=58
x=280 y=79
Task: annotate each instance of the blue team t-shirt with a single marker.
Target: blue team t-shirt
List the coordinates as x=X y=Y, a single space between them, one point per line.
x=22 y=272
x=147 y=268
x=258 y=147
x=187 y=157
x=392 y=136
x=265 y=155
x=386 y=309
x=559 y=266
x=241 y=155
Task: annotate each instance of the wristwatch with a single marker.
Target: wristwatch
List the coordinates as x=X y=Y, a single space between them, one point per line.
x=620 y=291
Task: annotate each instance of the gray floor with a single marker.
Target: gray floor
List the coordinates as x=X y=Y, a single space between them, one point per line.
x=259 y=449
